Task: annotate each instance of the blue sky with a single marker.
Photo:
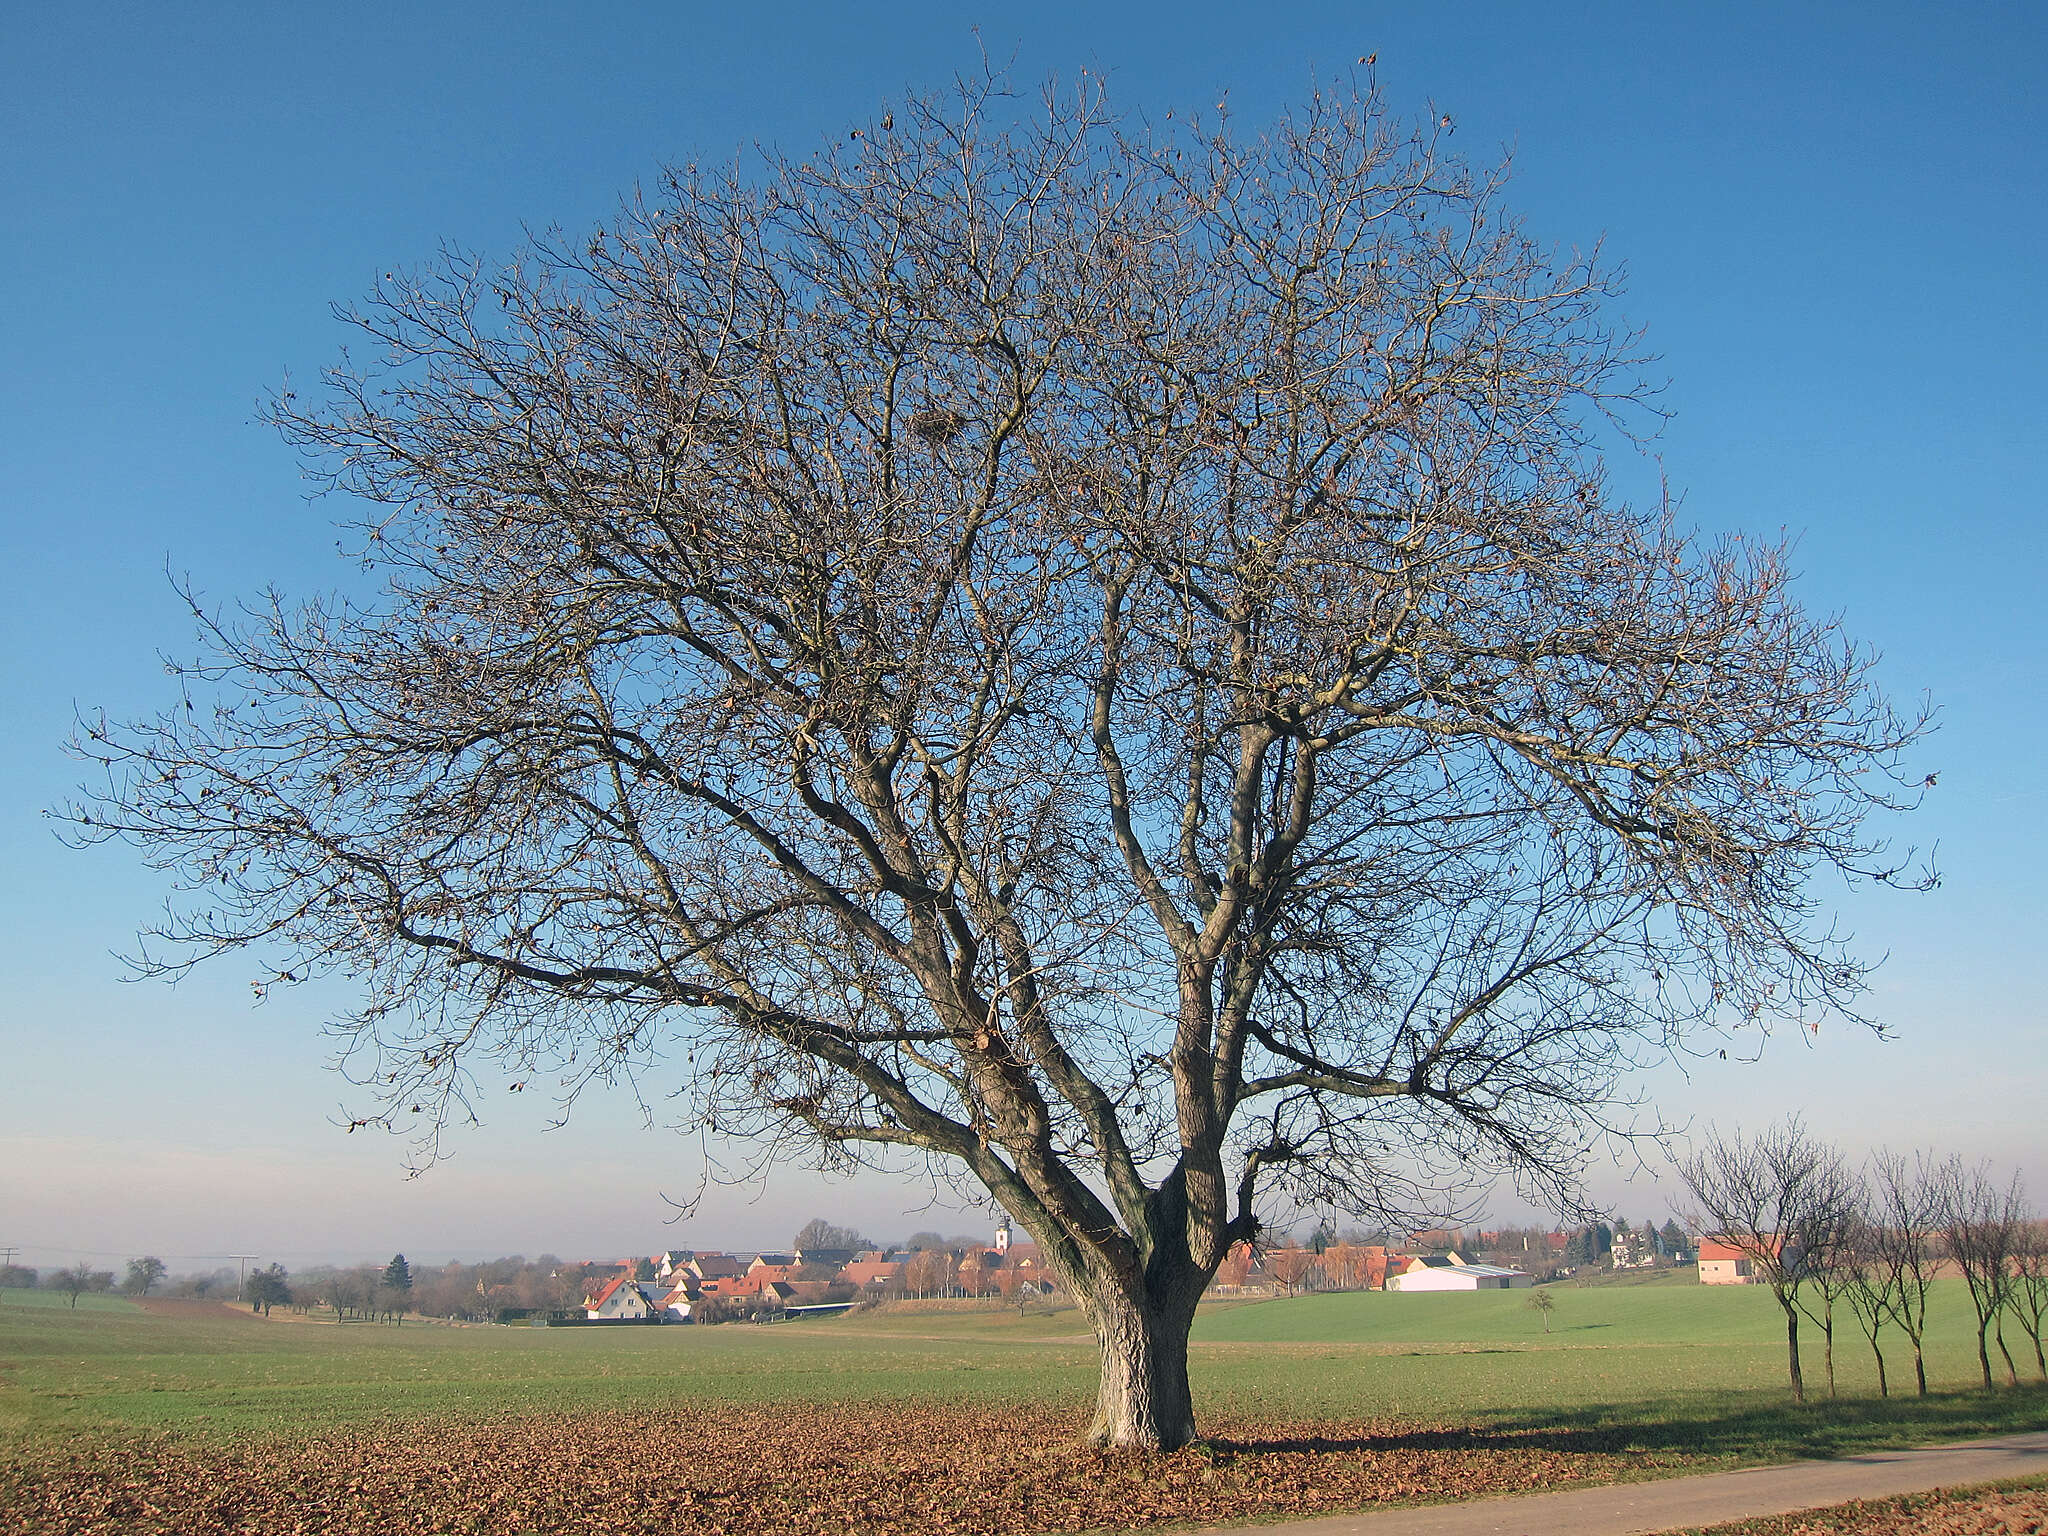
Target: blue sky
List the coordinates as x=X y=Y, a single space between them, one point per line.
x=1832 y=217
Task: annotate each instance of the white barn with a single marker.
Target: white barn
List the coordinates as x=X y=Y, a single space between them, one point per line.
x=1459 y=1277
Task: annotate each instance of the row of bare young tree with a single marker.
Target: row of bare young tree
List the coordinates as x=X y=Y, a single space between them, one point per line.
x=1821 y=1232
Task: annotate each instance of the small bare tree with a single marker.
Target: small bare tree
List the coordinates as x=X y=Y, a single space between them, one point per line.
x=1774 y=1198
x=73 y=1281
x=2028 y=1299
x=1980 y=1228
x=1100 y=662
x=1827 y=1256
x=1868 y=1285
x=1904 y=1223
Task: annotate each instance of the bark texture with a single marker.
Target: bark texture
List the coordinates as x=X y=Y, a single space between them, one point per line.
x=1144 y=1400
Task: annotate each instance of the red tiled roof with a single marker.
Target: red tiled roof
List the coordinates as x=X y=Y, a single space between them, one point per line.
x=732 y=1285
x=1720 y=1250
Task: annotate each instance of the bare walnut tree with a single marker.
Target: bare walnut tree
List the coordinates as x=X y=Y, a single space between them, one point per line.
x=1101 y=659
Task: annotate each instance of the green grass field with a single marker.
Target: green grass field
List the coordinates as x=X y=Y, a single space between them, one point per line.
x=1657 y=1366
x=1670 y=1365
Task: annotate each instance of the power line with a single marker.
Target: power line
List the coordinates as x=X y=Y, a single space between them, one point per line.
x=64 y=1250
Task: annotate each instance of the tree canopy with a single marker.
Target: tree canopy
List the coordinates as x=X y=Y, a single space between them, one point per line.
x=820 y=1233
x=269 y=1287
x=1102 y=658
x=143 y=1274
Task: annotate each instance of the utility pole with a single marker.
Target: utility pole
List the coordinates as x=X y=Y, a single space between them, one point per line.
x=242 y=1285
x=7 y=1253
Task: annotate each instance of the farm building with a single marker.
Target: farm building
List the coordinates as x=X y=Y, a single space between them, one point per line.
x=1722 y=1263
x=1412 y=1263
x=1458 y=1277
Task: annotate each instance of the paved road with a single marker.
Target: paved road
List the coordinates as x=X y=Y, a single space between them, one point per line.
x=1681 y=1502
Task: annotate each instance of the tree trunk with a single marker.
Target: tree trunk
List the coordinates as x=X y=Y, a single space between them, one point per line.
x=1144 y=1401
x=1792 y=1351
x=1883 y=1387
x=1919 y=1369
x=1984 y=1354
x=2011 y=1371
x=1827 y=1329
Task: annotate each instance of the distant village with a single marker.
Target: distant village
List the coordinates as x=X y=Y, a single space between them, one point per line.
x=833 y=1269
x=687 y=1285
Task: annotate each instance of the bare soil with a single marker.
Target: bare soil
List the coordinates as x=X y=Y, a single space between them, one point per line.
x=192 y=1308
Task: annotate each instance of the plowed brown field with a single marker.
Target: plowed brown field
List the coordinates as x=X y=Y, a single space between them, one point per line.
x=897 y=1468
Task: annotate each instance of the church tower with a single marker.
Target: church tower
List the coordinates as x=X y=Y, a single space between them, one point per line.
x=1003 y=1234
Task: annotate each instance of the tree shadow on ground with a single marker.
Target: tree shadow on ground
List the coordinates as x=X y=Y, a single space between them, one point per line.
x=1704 y=1426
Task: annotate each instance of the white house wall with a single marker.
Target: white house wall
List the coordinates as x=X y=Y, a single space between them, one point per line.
x=1458 y=1278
